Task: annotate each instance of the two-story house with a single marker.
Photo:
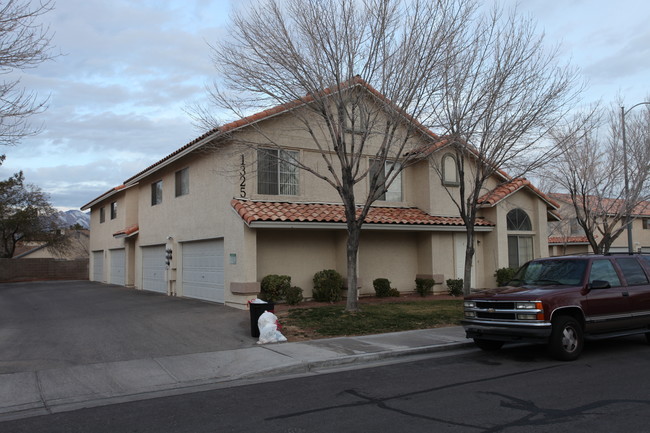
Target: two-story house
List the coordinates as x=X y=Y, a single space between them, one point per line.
x=568 y=237
x=211 y=219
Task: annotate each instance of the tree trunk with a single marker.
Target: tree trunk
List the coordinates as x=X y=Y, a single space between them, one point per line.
x=469 y=255
x=354 y=232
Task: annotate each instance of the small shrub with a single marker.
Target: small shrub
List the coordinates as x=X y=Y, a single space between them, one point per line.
x=504 y=275
x=293 y=295
x=455 y=286
x=393 y=292
x=274 y=287
x=424 y=286
x=327 y=286
x=382 y=287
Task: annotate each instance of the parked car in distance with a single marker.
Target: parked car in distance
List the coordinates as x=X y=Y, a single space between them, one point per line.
x=563 y=301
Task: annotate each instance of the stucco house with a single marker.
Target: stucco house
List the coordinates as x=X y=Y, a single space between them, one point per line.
x=211 y=219
x=567 y=237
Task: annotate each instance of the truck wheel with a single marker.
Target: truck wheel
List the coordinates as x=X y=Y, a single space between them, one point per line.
x=566 y=339
x=488 y=345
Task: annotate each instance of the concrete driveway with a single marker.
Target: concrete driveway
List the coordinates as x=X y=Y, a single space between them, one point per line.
x=64 y=323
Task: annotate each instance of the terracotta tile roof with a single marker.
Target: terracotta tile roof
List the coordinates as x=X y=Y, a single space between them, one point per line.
x=103 y=196
x=568 y=240
x=129 y=231
x=282 y=108
x=257 y=211
x=641 y=209
x=507 y=188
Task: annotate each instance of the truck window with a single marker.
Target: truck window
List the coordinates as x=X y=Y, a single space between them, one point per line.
x=604 y=270
x=632 y=271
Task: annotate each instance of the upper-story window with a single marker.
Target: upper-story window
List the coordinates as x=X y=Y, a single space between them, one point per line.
x=355 y=117
x=450 y=170
x=394 y=191
x=113 y=210
x=518 y=220
x=520 y=245
x=182 y=182
x=646 y=223
x=156 y=193
x=102 y=215
x=276 y=172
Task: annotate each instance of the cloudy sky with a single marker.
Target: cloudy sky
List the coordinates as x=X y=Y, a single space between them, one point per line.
x=130 y=67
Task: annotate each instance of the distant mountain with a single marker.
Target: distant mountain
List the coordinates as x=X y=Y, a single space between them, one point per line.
x=73 y=217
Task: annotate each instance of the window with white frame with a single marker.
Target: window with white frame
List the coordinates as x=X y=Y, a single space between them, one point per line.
x=182 y=182
x=277 y=173
x=383 y=171
x=520 y=243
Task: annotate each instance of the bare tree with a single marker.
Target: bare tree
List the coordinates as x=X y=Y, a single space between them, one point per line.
x=591 y=170
x=24 y=43
x=503 y=91
x=349 y=72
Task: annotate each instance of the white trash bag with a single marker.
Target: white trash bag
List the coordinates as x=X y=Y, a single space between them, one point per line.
x=268 y=325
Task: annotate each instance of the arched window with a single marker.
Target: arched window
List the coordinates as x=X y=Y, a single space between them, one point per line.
x=520 y=246
x=518 y=220
x=449 y=170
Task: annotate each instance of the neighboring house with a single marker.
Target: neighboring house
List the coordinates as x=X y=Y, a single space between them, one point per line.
x=568 y=237
x=77 y=247
x=211 y=219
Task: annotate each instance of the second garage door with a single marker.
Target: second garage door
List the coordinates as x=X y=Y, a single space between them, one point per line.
x=153 y=269
x=203 y=270
x=118 y=266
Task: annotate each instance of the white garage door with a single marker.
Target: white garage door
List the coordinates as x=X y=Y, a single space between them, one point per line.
x=153 y=269
x=203 y=270
x=118 y=267
x=98 y=266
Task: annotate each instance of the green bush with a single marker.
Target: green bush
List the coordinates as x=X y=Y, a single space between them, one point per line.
x=293 y=295
x=274 y=287
x=382 y=287
x=393 y=293
x=455 y=286
x=504 y=275
x=327 y=286
x=424 y=286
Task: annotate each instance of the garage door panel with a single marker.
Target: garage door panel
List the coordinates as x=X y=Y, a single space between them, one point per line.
x=203 y=273
x=118 y=267
x=153 y=269
x=98 y=266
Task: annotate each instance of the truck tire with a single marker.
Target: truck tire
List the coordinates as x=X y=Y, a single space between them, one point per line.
x=488 y=345
x=567 y=339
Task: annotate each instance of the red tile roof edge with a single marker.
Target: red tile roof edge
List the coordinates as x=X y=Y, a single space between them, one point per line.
x=504 y=190
x=265 y=211
x=278 y=109
x=127 y=231
x=568 y=240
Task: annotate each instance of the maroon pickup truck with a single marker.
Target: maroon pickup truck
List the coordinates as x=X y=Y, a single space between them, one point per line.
x=561 y=301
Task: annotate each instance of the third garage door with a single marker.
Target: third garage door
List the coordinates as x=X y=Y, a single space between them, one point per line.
x=153 y=269
x=203 y=270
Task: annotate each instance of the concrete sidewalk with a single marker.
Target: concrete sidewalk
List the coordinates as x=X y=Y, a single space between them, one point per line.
x=42 y=392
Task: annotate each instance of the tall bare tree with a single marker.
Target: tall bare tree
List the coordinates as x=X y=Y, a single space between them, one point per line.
x=323 y=58
x=502 y=92
x=591 y=170
x=24 y=43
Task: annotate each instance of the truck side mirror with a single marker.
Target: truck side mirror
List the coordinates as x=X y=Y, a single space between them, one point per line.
x=599 y=284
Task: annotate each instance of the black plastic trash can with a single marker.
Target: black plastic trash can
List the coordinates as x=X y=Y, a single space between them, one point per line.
x=256 y=311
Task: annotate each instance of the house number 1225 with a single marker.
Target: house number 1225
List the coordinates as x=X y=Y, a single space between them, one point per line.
x=242 y=178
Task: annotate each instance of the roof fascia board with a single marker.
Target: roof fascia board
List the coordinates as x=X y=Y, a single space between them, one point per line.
x=106 y=195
